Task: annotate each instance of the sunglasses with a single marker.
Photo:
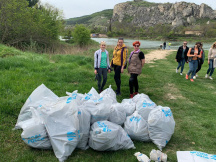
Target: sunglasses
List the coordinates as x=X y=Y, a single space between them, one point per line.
x=136 y=45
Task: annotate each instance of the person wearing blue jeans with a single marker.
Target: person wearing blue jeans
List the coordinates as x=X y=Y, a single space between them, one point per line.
x=193 y=55
x=210 y=69
x=192 y=68
x=211 y=58
x=181 y=64
x=181 y=56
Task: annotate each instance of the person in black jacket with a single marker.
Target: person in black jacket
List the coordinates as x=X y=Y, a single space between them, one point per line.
x=181 y=56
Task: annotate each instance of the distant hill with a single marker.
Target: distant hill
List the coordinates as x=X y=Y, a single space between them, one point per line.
x=142 y=13
x=98 y=18
x=150 y=20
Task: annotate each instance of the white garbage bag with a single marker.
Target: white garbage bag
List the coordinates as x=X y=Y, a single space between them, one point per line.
x=137 y=127
x=157 y=155
x=84 y=123
x=77 y=96
x=91 y=95
x=140 y=97
x=99 y=109
x=109 y=93
x=144 y=107
x=34 y=132
x=142 y=157
x=107 y=136
x=129 y=106
x=62 y=125
x=40 y=96
x=161 y=126
x=195 y=156
x=117 y=114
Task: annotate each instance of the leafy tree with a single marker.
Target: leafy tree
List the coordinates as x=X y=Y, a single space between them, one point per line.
x=81 y=35
x=21 y=25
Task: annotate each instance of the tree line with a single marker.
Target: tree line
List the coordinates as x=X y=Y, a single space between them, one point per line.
x=25 y=23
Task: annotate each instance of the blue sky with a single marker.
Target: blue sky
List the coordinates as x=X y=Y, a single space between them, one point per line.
x=77 y=8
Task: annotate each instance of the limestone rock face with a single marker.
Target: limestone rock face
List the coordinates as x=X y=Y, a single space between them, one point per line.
x=191 y=20
x=180 y=13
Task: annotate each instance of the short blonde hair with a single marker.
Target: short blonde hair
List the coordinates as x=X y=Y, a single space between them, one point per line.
x=103 y=43
x=213 y=45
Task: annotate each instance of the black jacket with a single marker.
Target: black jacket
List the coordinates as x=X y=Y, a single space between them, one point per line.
x=179 y=53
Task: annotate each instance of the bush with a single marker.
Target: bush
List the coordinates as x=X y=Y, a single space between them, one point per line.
x=81 y=35
x=21 y=25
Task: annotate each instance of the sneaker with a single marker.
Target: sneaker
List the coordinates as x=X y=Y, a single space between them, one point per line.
x=181 y=74
x=194 y=77
x=176 y=70
x=206 y=76
x=186 y=76
x=210 y=78
x=135 y=93
x=131 y=95
x=191 y=80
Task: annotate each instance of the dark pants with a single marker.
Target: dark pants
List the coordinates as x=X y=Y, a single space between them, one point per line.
x=102 y=72
x=133 y=82
x=117 y=77
x=199 y=65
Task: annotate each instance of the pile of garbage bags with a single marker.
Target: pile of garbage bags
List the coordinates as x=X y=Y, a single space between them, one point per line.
x=92 y=120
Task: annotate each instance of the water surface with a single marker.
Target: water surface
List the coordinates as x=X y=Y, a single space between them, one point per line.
x=149 y=44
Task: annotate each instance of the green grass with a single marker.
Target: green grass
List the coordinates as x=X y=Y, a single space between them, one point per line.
x=192 y=104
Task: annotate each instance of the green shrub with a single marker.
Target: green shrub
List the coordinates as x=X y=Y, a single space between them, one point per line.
x=81 y=35
x=24 y=26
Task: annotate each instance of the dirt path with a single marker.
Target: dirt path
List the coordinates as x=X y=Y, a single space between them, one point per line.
x=156 y=55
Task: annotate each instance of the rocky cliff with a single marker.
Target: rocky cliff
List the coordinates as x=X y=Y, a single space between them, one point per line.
x=141 y=13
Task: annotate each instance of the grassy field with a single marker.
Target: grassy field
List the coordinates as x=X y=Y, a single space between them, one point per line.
x=192 y=104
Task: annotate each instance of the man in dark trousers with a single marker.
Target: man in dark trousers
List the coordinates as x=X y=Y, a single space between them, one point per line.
x=181 y=57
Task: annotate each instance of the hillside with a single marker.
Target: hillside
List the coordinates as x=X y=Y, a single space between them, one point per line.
x=149 y=14
x=140 y=18
x=98 y=18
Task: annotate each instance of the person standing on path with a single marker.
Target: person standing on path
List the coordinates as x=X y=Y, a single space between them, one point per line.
x=169 y=45
x=101 y=65
x=200 y=61
x=181 y=56
x=119 y=62
x=136 y=62
x=193 y=55
x=211 y=61
x=164 y=45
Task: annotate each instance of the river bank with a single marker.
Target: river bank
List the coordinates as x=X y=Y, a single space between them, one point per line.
x=151 y=44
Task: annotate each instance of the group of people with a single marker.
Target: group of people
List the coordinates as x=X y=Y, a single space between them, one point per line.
x=163 y=45
x=196 y=57
x=119 y=63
